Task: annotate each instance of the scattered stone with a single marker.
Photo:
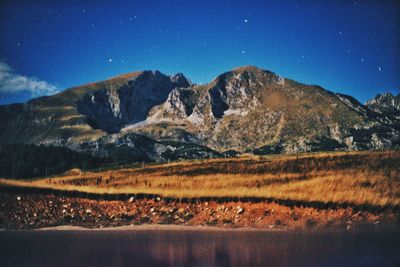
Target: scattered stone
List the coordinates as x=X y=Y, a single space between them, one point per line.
x=181 y=210
x=152 y=209
x=240 y=210
x=131 y=199
x=88 y=211
x=64 y=211
x=18 y=198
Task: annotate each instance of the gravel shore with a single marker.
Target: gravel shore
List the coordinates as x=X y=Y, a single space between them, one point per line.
x=35 y=211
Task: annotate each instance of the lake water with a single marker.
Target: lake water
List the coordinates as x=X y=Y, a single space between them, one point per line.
x=199 y=248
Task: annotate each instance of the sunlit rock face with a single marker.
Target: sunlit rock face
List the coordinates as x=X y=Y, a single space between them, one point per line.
x=235 y=93
x=110 y=110
x=179 y=105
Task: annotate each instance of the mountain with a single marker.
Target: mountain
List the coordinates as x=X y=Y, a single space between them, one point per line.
x=250 y=109
x=89 y=111
x=386 y=104
x=245 y=110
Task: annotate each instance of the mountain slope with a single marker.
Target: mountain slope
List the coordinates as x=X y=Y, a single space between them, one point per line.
x=86 y=112
x=247 y=110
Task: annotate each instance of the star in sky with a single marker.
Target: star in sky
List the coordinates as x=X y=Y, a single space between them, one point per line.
x=245 y=20
x=110 y=60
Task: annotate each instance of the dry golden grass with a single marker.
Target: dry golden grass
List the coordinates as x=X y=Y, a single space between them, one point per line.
x=371 y=178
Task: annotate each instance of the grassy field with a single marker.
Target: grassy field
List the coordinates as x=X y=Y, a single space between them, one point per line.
x=360 y=178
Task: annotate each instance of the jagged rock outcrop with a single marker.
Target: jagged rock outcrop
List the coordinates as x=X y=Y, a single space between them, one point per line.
x=386 y=104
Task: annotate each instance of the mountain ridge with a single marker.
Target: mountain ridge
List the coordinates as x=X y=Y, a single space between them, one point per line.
x=247 y=109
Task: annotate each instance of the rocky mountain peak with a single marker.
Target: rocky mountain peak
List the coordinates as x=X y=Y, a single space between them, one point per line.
x=385 y=100
x=248 y=68
x=245 y=73
x=181 y=80
x=385 y=104
x=235 y=91
x=112 y=109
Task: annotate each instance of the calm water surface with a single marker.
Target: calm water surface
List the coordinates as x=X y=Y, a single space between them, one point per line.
x=199 y=248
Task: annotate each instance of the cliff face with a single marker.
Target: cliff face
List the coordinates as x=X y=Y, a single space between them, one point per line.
x=247 y=110
x=110 y=110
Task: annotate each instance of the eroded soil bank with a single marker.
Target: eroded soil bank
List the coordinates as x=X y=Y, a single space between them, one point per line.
x=33 y=211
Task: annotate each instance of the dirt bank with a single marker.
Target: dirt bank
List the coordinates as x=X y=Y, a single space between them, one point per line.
x=34 y=211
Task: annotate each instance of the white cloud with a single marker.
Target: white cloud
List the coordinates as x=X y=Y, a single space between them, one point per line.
x=11 y=82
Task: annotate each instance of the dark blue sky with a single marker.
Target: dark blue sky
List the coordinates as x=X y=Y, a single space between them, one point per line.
x=351 y=47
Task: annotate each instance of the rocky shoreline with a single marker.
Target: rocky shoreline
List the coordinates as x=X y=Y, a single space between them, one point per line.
x=35 y=211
